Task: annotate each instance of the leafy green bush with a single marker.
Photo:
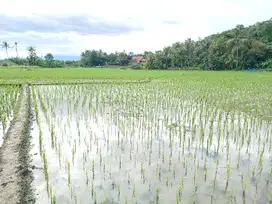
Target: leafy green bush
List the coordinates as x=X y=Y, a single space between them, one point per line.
x=4 y=64
x=267 y=64
x=135 y=65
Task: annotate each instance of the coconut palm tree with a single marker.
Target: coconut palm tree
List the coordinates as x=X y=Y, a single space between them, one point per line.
x=189 y=47
x=16 y=48
x=5 y=45
x=237 y=39
x=32 y=55
x=166 y=52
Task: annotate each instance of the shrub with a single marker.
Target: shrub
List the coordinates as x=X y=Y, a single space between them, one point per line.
x=135 y=65
x=267 y=64
x=4 y=64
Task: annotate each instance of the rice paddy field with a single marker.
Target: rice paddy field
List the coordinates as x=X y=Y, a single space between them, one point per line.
x=124 y=136
x=8 y=97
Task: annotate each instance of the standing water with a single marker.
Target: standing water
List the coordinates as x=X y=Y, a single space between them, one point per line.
x=148 y=143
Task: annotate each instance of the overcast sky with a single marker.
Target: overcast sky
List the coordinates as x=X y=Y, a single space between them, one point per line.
x=68 y=27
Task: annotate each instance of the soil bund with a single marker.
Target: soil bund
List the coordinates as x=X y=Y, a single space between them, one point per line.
x=15 y=173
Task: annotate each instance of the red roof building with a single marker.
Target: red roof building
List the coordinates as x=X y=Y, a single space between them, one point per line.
x=137 y=59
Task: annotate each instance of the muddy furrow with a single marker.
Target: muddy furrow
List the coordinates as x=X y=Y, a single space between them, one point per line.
x=15 y=174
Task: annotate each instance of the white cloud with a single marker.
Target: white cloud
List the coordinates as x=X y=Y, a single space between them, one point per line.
x=162 y=22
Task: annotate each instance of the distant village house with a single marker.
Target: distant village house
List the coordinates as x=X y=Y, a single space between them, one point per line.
x=138 y=59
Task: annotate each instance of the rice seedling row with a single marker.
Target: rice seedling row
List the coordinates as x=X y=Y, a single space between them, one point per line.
x=173 y=142
x=8 y=98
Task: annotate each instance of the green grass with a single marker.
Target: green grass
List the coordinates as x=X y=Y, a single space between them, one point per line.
x=36 y=75
x=249 y=87
x=83 y=75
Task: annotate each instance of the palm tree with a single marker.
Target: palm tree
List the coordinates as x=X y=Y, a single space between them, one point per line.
x=254 y=51
x=32 y=55
x=177 y=52
x=236 y=40
x=16 y=44
x=203 y=48
x=31 y=49
x=166 y=52
x=5 y=45
x=189 y=46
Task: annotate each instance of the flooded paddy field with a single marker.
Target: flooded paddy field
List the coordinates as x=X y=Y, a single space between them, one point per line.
x=8 y=98
x=170 y=142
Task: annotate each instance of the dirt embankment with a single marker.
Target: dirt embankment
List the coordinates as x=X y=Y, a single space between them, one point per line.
x=15 y=174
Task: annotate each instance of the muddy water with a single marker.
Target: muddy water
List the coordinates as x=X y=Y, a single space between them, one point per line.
x=123 y=150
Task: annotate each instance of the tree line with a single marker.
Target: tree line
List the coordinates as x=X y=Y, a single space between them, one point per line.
x=238 y=48
x=34 y=60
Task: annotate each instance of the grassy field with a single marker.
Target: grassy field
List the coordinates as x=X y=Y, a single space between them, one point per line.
x=20 y=75
x=61 y=75
x=127 y=136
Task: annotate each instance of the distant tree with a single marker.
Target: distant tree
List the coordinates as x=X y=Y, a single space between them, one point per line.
x=5 y=45
x=189 y=48
x=236 y=41
x=150 y=58
x=32 y=55
x=167 y=60
x=267 y=64
x=58 y=63
x=49 y=58
x=123 y=58
x=218 y=55
x=16 y=48
x=201 y=50
x=159 y=61
x=112 y=59
x=253 y=52
x=102 y=57
x=240 y=47
x=177 y=55
x=19 y=61
x=91 y=58
x=266 y=31
x=70 y=63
